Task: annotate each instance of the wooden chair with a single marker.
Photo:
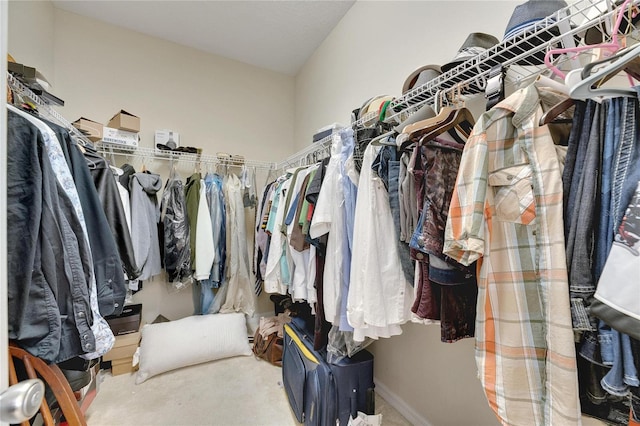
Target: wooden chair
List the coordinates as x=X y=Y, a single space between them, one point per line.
x=53 y=378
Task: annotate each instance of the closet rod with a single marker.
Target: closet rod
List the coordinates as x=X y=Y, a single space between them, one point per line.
x=44 y=108
x=152 y=155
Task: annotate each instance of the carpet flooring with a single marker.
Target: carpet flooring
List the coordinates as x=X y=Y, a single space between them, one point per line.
x=229 y=392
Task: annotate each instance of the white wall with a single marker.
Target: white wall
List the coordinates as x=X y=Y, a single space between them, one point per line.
x=373 y=49
x=31 y=35
x=213 y=102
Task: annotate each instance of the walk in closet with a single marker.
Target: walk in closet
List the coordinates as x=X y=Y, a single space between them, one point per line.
x=452 y=186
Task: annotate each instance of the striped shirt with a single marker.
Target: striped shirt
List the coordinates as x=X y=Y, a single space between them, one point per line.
x=506 y=212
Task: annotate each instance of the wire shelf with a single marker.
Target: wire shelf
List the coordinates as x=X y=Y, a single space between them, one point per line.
x=107 y=149
x=44 y=108
x=113 y=149
x=311 y=154
x=522 y=53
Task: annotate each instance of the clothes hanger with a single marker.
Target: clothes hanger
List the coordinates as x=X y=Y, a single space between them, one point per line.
x=444 y=113
x=449 y=118
x=551 y=114
x=429 y=123
x=543 y=81
x=454 y=122
x=612 y=46
x=585 y=89
x=458 y=119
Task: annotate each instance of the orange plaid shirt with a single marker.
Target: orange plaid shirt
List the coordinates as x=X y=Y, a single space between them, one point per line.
x=506 y=211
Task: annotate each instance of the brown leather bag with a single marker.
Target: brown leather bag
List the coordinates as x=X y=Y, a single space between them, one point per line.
x=269 y=349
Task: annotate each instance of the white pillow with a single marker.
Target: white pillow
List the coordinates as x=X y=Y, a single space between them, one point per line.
x=193 y=340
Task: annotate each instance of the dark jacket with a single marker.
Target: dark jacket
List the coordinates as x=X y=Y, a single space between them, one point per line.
x=192 y=199
x=48 y=300
x=106 y=258
x=177 y=246
x=107 y=187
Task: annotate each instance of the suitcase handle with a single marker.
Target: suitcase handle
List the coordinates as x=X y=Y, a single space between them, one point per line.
x=354 y=403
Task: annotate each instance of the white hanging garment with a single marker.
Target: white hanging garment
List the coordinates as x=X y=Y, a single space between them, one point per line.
x=380 y=297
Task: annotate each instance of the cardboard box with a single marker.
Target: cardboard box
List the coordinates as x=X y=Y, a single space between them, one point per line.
x=119 y=137
x=92 y=129
x=128 y=321
x=124 y=120
x=89 y=392
x=124 y=347
x=122 y=366
x=21 y=70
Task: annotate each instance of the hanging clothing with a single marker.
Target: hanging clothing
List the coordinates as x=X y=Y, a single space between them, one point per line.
x=380 y=297
x=506 y=210
x=328 y=218
x=407 y=199
x=204 y=237
x=316 y=284
x=117 y=211
x=261 y=238
x=446 y=290
x=616 y=300
x=177 y=247
x=274 y=281
x=100 y=340
x=205 y=251
x=387 y=165
x=217 y=211
x=240 y=294
x=105 y=252
x=349 y=178
x=299 y=258
x=48 y=301
x=125 y=178
x=192 y=198
x=126 y=202
x=605 y=139
x=212 y=242
x=145 y=215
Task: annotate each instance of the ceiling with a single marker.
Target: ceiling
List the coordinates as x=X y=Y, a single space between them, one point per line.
x=276 y=35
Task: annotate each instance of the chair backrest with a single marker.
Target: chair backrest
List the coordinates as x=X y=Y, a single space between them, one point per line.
x=53 y=378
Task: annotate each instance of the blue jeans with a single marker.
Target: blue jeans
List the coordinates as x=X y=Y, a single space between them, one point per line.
x=623 y=372
x=623 y=176
x=626 y=160
x=605 y=227
x=582 y=211
x=626 y=174
x=394 y=202
x=574 y=161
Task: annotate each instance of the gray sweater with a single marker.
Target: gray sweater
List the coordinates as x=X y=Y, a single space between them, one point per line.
x=145 y=215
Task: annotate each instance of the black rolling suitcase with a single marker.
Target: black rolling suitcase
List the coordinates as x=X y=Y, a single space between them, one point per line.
x=321 y=393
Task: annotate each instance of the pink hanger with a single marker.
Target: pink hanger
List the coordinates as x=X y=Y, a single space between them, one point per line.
x=613 y=46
